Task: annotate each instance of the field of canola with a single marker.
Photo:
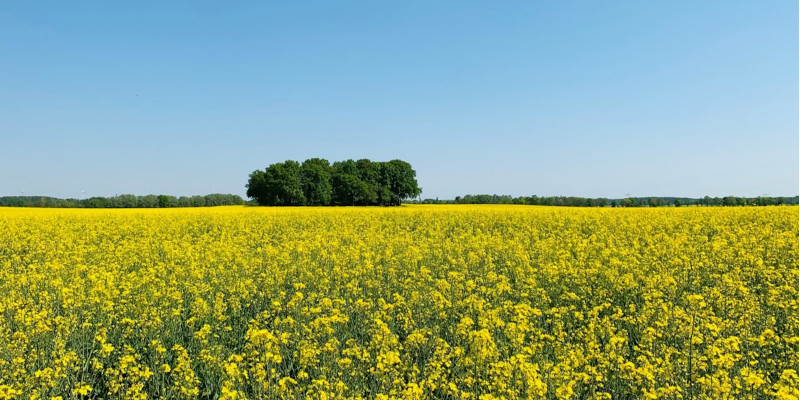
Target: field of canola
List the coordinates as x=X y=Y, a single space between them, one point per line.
x=414 y=302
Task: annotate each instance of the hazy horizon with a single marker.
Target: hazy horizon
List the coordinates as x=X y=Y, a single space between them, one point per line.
x=584 y=99
x=87 y=196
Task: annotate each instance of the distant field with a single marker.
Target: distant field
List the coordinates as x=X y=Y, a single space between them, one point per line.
x=413 y=302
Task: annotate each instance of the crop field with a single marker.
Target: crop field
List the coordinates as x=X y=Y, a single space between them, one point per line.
x=411 y=302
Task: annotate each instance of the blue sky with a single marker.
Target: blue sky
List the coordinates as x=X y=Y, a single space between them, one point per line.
x=591 y=98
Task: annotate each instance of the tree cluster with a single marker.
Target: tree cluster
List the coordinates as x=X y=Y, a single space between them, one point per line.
x=571 y=201
x=316 y=182
x=124 y=201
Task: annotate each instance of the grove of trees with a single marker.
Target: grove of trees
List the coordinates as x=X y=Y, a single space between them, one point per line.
x=316 y=182
x=729 y=201
x=124 y=201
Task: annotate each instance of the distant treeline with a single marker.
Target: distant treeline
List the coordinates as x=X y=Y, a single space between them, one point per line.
x=124 y=201
x=604 y=202
x=316 y=182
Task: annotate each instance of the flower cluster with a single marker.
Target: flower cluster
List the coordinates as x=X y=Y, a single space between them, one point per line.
x=415 y=302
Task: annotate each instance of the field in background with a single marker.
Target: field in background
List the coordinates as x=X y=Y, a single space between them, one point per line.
x=417 y=302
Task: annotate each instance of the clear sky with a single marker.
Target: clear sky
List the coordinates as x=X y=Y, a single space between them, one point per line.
x=584 y=98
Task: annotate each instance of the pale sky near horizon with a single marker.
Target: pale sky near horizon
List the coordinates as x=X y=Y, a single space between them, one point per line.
x=583 y=98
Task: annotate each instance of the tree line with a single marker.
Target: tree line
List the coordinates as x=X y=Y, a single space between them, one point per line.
x=124 y=201
x=571 y=201
x=317 y=182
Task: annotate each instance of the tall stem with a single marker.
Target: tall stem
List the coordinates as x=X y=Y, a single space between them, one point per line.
x=689 y=366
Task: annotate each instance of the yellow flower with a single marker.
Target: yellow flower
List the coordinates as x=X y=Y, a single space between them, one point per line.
x=81 y=390
x=414 y=302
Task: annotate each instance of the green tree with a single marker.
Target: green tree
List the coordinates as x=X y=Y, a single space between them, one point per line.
x=401 y=181
x=198 y=201
x=350 y=190
x=256 y=189
x=344 y=183
x=278 y=185
x=348 y=167
x=164 y=201
x=149 y=201
x=315 y=180
x=729 y=201
x=347 y=188
x=626 y=202
x=95 y=202
x=283 y=179
x=127 y=200
x=654 y=202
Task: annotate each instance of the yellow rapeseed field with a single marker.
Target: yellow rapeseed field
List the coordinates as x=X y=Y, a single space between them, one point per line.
x=413 y=302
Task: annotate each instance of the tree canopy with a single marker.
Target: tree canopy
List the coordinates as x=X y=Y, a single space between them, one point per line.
x=317 y=182
x=124 y=201
x=604 y=202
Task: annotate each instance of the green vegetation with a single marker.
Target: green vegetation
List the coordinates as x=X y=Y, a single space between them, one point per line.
x=316 y=182
x=604 y=202
x=124 y=201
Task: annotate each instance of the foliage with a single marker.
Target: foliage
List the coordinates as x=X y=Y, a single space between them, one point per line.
x=412 y=302
x=315 y=178
x=124 y=201
x=345 y=183
x=572 y=201
x=278 y=185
